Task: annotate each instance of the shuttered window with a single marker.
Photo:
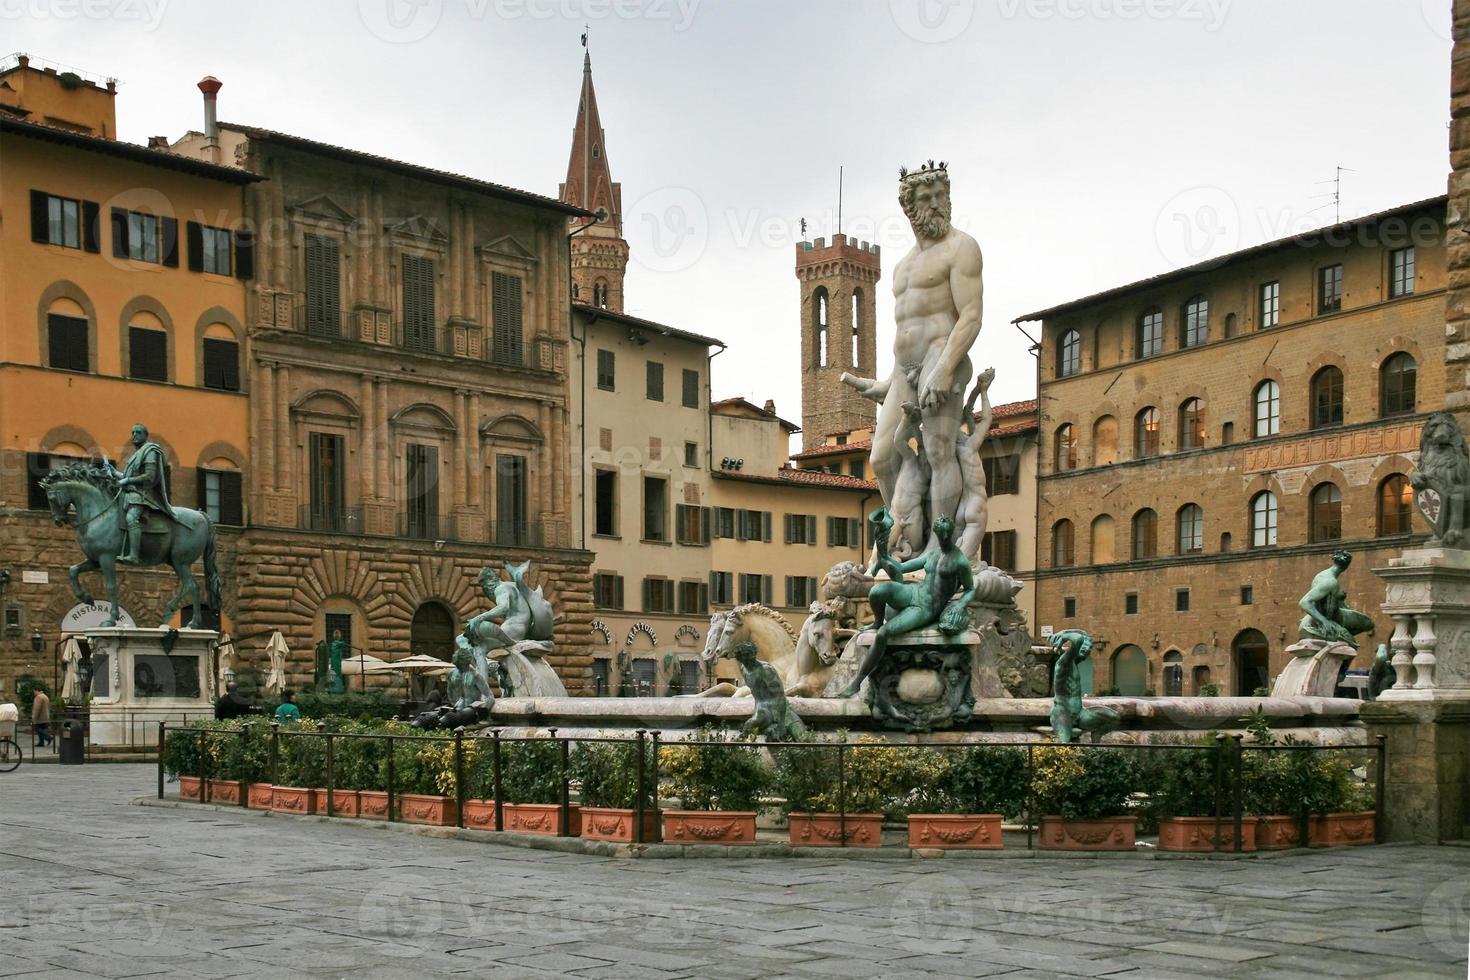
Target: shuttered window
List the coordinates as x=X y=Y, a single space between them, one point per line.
x=422 y=470
x=801 y=591
x=147 y=354
x=691 y=388
x=658 y=595
x=418 y=303
x=655 y=386
x=323 y=287
x=691 y=524
x=606 y=369
x=722 y=588
x=221 y=364
x=607 y=590
x=844 y=532
x=208 y=249
x=67 y=340
x=801 y=528
x=220 y=496
x=506 y=291
x=693 y=598
x=63 y=221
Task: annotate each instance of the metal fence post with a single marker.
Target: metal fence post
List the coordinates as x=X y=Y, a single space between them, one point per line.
x=203 y=765
x=245 y=784
x=1236 y=792
x=495 y=777
x=275 y=754
x=564 y=813
x=392 y=777
x=331 y=777
x=1219 y=785
x=658 y=824
x=1378 y=789
x=162 y=738
x=842 y=793
x=1030 y=794
x=459 y=776
x=640 y=786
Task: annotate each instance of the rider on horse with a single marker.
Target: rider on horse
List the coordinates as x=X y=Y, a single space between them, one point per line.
x=143 y=483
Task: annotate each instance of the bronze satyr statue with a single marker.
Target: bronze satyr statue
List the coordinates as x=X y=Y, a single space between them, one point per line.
x=1068 y=716
x=773 y=716
x=1328 y=616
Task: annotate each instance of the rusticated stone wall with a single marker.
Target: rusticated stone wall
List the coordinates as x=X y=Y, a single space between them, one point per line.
x=1457 y=240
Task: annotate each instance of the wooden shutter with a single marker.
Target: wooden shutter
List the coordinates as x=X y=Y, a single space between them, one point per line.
x=418 y=303
x=507 y=292
x=119 y=233
x=194 y=236
x=647 y=592
x=786 y=526
x=765 y=525
x=704 y=521
x=790 y=598
x=854 y=533
x=168 y=246
x=811 y=529
x=91 y=232
x=668 y=595
x=244 y=254
x=618 y=591
x=201 y=489
x=323 y=286
x=767 y=590
x=40 y=217
x=703 y=598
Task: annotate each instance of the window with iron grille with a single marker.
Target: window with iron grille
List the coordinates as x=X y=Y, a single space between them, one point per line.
x=1181 y=600
x=509 y=330
x=323 y=286
x=1130 y=604
x=1329 y=289
x=601 y=677
x=691 y=678
x=606 y=362
x=221 y=364
x=691 y=389
x=1401 y=272
x=147 y=354
x=67 y=342
x=1247 y=595
x=418 y=303
x=1069 y=607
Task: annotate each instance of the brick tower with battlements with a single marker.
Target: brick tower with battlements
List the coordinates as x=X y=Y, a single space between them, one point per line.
x=838 y=333
x=599 y=253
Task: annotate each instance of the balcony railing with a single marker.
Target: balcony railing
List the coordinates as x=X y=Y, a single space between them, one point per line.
x=337 y=520
x=518 y=534
x=424 y=527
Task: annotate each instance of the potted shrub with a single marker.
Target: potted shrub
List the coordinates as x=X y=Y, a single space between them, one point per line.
x=608 y=776
x=820 y=809
x=420 y=767
x=1274 y=793
x=1082 y=795
x=718 y=787
x=181 y=761
x=255 y=765
x=1182 y=794
x=963 y=807
x=530 y=777
x=302 y=769
x=224 y=750
x=361 y=766
x=1342 y=806
x=479 y=774
x=348 y=769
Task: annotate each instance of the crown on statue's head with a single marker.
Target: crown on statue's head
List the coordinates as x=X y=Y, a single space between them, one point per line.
x=929 y=167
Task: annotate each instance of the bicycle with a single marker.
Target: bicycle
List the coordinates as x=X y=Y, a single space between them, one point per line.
x=10 y=755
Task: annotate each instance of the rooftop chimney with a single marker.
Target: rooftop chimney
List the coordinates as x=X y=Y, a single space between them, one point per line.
x=770 y=406
x=210 y=86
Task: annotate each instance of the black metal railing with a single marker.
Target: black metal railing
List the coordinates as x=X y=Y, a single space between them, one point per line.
x=337 y=520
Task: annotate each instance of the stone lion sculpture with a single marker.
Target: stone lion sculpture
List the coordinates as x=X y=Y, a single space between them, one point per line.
x=1442 y=479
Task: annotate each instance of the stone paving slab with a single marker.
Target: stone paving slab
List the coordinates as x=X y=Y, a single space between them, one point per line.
x=96 y=886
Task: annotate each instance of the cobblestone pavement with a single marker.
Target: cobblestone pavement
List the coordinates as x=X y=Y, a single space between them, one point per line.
x=91 y=885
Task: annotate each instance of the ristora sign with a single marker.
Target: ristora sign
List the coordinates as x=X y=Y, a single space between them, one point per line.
x=91 y=615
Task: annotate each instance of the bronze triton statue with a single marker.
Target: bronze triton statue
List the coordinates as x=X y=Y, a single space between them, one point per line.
x=1328 y=616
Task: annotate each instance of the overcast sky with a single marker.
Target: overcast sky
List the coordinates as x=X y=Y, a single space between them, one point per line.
x=1090 y=142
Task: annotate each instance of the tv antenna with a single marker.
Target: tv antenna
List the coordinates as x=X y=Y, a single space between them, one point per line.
x=1336 y=194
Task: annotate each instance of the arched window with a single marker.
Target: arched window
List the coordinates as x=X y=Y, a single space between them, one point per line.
x=1145 y=534
x=1104 y=545
x=1064 y=454
x=1063 y=552
x=1146 y=433
x=1192 y=424
x=147 y=350
x=1252 y=656
x=219 y=358
x=68 y=335
x=1325 y=516
x=1263 y=520
x=1195 y=328
x=1148 y=338
x=1130 y=671
x=599 y=294
x=1326 y=398
x=1191 y=521
x=819 y=325
x=1268 y=409
x=1069 y=354
x=1398 y=380
x=1395 y=506
x=1173 y=674
x=1226 y=541
x=1105 y=441
x=857 y=304
x=1230 y=328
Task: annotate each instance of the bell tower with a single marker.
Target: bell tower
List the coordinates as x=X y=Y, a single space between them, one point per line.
x=599 y=253
x=838 y=333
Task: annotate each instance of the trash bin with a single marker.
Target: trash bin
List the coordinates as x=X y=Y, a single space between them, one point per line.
x=73 y=747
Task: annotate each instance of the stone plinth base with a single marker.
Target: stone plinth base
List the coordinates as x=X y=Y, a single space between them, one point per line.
x=1428 y=596
x=1313 y=670
x=1428 y=769
x=141 y=677
x=526 y=674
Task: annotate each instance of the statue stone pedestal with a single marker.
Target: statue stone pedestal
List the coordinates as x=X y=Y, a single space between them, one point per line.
x=1313 y=669
x=924 y=680
x=141 y=677
x=1428 y=597
x=526 y=672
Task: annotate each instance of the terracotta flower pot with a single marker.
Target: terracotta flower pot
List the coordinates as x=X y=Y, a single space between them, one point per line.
x=293 y=799
x=1342 y=828
x=344 y=802
x=540 y=818
x=832 y=830
x=479 y=814
x=225 y=791
x=372 y=804
x=1278 y=833
x=436 y=811
x=1102 y=834
x=189 y=788
x=1194 y=834
x=259 y=795
x=615 y=824
x=709 y=827
x=955 y=831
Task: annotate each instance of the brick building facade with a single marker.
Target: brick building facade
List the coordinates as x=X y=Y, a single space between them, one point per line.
x=838 y=334
x=1211 y=435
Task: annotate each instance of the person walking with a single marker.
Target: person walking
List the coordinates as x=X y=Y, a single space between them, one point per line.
x=41 y=718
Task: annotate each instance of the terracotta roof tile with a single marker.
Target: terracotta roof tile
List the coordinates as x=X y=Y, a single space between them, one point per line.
x=807 y=478
x=1008 y=410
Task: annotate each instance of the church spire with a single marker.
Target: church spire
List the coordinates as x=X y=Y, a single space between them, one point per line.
x=599 y=254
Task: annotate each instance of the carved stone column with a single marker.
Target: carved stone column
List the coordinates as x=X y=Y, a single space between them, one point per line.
x=1402 y=645
x=1424 y=659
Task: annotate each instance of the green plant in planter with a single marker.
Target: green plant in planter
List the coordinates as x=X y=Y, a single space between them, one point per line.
x=984 y=779
x=728 y=775
x=531 y=771
x=608 y=774
x=303 y=758
x=1182 y=783
x=359 y=761
x=181 y=755
x=916 y=781
x=1082 y=784
x=415 y=767
x=805 y=777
